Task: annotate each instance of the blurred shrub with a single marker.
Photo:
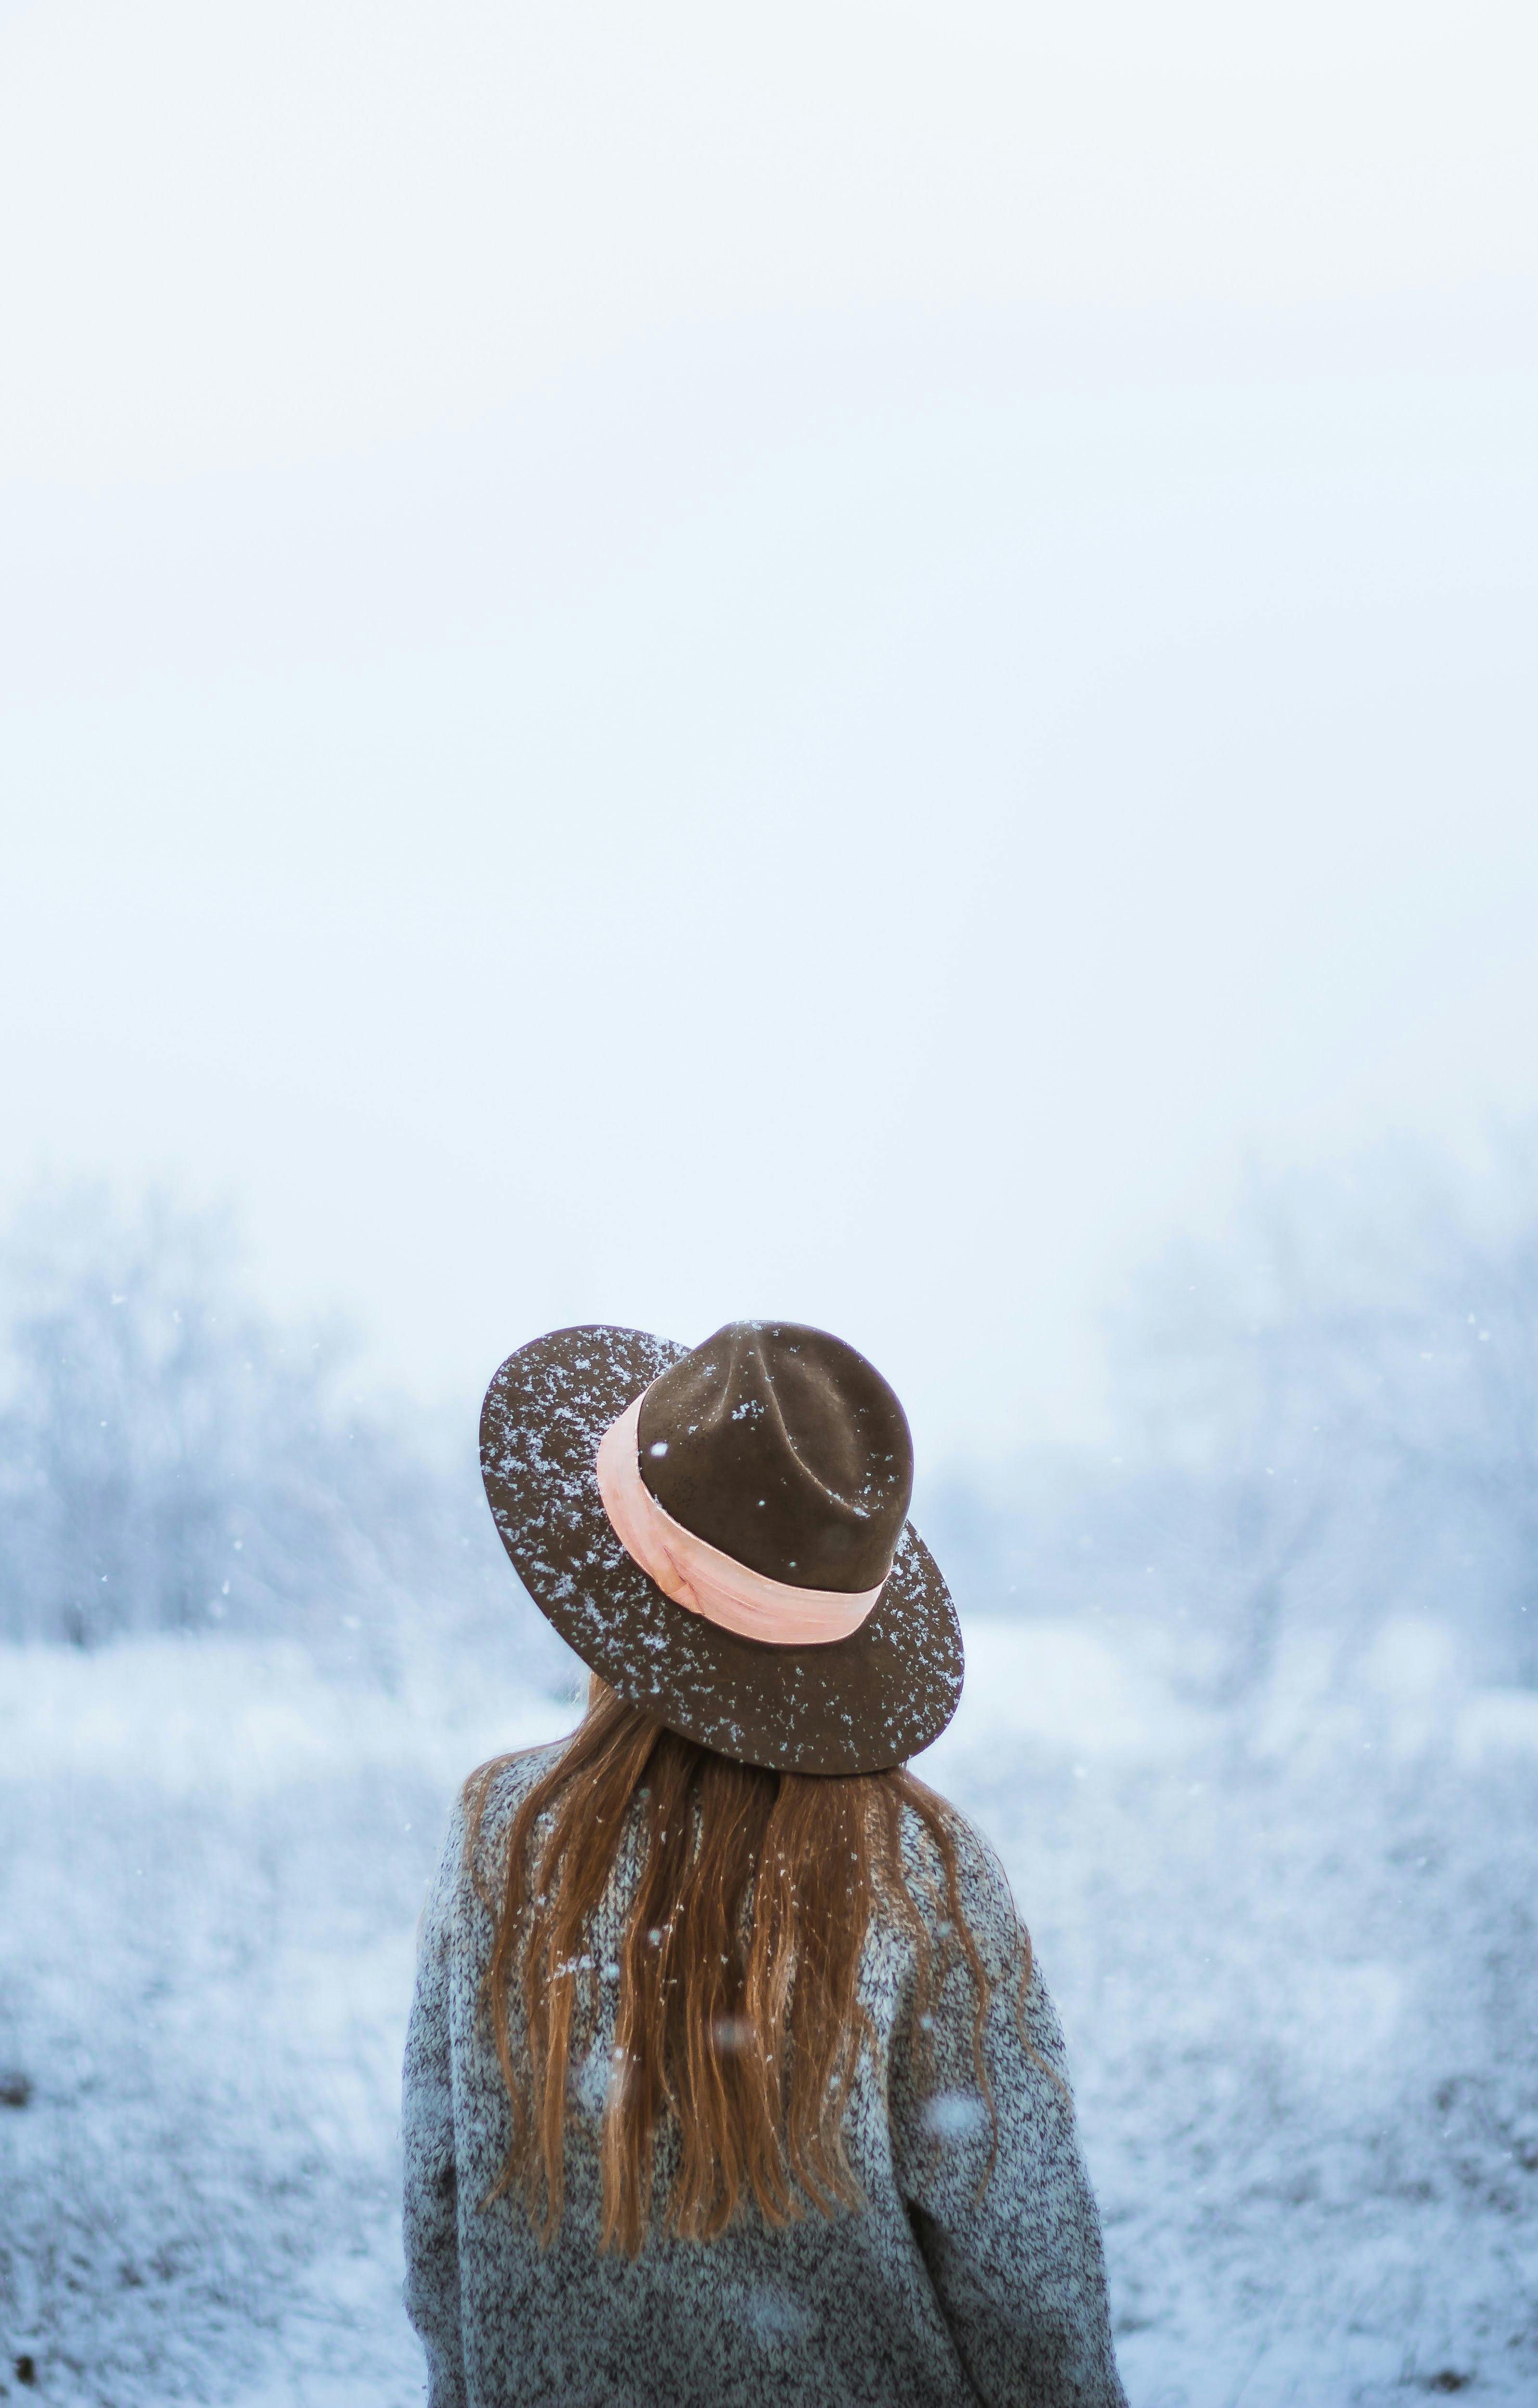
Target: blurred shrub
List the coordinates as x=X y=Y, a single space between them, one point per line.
x=171 y=1458
x=1328 y=1418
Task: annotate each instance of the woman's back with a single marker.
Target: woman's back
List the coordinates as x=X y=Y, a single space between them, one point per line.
x=728 y=2078
x=970 y=2270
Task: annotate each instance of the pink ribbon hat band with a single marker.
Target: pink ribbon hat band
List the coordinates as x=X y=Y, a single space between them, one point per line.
x=699 y=1577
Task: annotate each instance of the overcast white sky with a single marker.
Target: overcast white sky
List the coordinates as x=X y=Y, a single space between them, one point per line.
x=665 y=662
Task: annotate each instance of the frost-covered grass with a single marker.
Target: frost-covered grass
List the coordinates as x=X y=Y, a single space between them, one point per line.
x=1296 y=1963
x=1300 y=1978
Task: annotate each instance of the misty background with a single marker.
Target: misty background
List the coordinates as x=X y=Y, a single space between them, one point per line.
x=869 y=665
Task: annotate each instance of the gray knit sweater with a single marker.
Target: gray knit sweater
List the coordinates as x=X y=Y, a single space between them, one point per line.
x=929 y=2297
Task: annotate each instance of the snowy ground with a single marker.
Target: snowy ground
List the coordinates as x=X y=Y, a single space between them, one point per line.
x=1297 y=1974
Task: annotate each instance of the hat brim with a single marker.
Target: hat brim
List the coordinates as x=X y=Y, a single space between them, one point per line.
x=859 y=1704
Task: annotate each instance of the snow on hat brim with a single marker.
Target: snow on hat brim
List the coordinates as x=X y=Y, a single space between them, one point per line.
x=859 y=1704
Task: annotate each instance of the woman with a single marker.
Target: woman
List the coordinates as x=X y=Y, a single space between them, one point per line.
x=729 y=2076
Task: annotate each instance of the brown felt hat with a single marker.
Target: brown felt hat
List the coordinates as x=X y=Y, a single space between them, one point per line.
x=783 y=1450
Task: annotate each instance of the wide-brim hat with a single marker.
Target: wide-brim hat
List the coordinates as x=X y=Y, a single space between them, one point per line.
x=861 y=1701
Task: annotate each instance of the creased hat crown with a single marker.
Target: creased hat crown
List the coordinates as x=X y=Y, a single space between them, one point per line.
x=785 y=1449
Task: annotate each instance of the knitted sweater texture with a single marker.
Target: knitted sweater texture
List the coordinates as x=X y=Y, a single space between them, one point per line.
x=931 y=2296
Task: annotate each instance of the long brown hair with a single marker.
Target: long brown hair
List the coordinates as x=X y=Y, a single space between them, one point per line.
x=738 y=2018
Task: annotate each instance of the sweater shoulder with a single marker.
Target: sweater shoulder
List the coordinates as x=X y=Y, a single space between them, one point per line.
x=489 y=1800
x=1019 y=1999
x=472 y=1861
x=502 y=1783
x=982 y=1885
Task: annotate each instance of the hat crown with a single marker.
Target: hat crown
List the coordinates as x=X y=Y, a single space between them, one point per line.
x=785 y=1449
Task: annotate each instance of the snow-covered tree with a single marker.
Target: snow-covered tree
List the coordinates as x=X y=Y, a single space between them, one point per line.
x=1348 y=1386
x=171 y=1458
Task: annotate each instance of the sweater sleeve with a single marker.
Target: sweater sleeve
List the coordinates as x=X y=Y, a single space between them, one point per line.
x=1016 y=2258
x=431 y=2209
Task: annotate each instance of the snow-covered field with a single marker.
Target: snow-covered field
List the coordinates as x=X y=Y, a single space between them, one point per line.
x=1296 y=1962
